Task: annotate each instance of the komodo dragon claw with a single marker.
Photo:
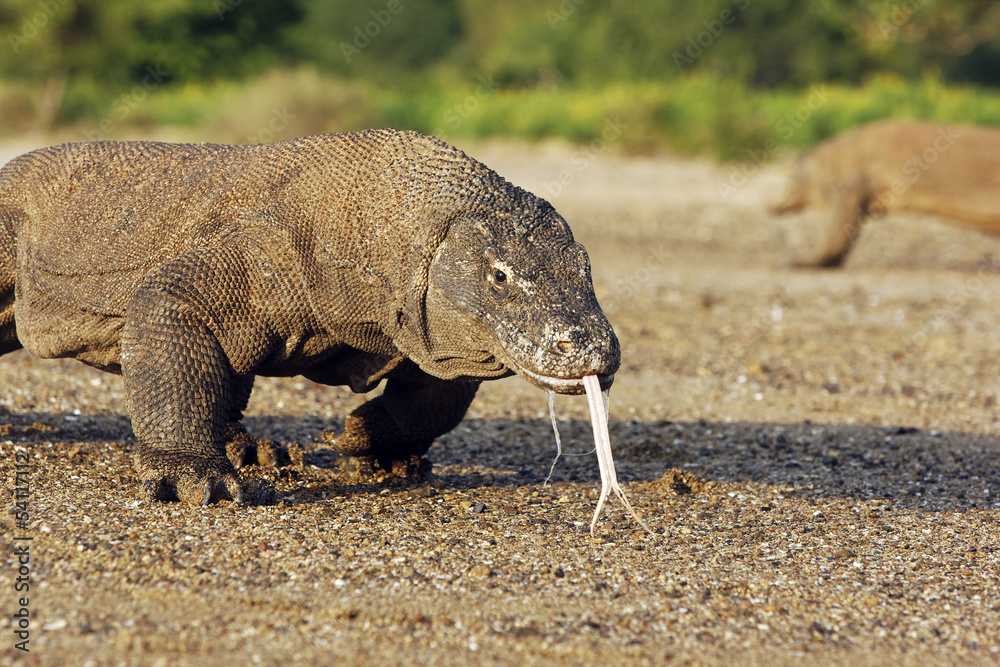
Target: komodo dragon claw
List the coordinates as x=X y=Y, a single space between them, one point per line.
x=251 y=491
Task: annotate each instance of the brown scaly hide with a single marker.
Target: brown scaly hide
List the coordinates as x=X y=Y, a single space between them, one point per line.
x=349 y=259
x=951 y=171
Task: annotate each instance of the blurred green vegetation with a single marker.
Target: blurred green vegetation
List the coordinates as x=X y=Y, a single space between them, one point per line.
x=726 y=77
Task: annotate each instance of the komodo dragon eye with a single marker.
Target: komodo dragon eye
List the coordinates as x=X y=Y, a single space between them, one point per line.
x=497 y=275
x=500 y=283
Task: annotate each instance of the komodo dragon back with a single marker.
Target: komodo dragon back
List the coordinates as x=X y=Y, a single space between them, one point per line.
x=98 y=216
x=350 y=259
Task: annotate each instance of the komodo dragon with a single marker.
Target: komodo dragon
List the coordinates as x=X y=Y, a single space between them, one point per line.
x=345 y=258
x=948 y=170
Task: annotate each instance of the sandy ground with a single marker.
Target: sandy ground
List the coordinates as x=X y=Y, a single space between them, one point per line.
x=817 y=453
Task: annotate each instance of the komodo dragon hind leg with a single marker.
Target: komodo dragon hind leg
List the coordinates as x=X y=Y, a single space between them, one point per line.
x=399 y=426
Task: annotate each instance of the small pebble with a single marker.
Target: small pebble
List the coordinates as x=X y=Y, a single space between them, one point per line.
x=480 y=571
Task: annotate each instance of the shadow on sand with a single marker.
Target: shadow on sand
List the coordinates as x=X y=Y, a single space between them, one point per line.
x=945 y=470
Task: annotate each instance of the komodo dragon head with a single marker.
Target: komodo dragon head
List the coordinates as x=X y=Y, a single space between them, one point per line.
x=525 y=299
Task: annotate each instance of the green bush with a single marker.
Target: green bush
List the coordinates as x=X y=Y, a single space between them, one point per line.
x=690 y=115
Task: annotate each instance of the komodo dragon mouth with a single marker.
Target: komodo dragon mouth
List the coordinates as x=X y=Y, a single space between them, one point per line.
x=560 y=385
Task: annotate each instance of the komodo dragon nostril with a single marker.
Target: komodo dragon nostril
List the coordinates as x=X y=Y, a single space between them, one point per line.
x=567 y=340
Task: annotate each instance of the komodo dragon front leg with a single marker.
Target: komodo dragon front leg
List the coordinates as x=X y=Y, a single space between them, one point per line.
x=188 y=337
x=839 y=226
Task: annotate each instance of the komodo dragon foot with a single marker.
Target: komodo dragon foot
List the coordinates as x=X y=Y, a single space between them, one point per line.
x=244 y=449
x=370 y=431
x=369 y=453
x=209 y=481
x=202 y=484
x=389 y=435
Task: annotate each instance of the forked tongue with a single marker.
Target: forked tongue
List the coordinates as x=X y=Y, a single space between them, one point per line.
x=602 y=442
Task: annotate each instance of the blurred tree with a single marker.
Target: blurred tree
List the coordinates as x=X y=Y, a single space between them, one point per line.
x=960 y=37
x=103 y=45
x=380 y=39
x=765 y=43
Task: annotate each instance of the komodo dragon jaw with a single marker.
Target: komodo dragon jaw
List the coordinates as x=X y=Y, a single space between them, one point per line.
x=559 y=385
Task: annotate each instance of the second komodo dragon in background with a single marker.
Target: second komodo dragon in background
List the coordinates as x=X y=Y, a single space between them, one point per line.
x=952 y=171
x=348 y=259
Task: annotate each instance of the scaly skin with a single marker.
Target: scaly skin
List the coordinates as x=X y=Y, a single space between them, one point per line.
x=349 y=259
